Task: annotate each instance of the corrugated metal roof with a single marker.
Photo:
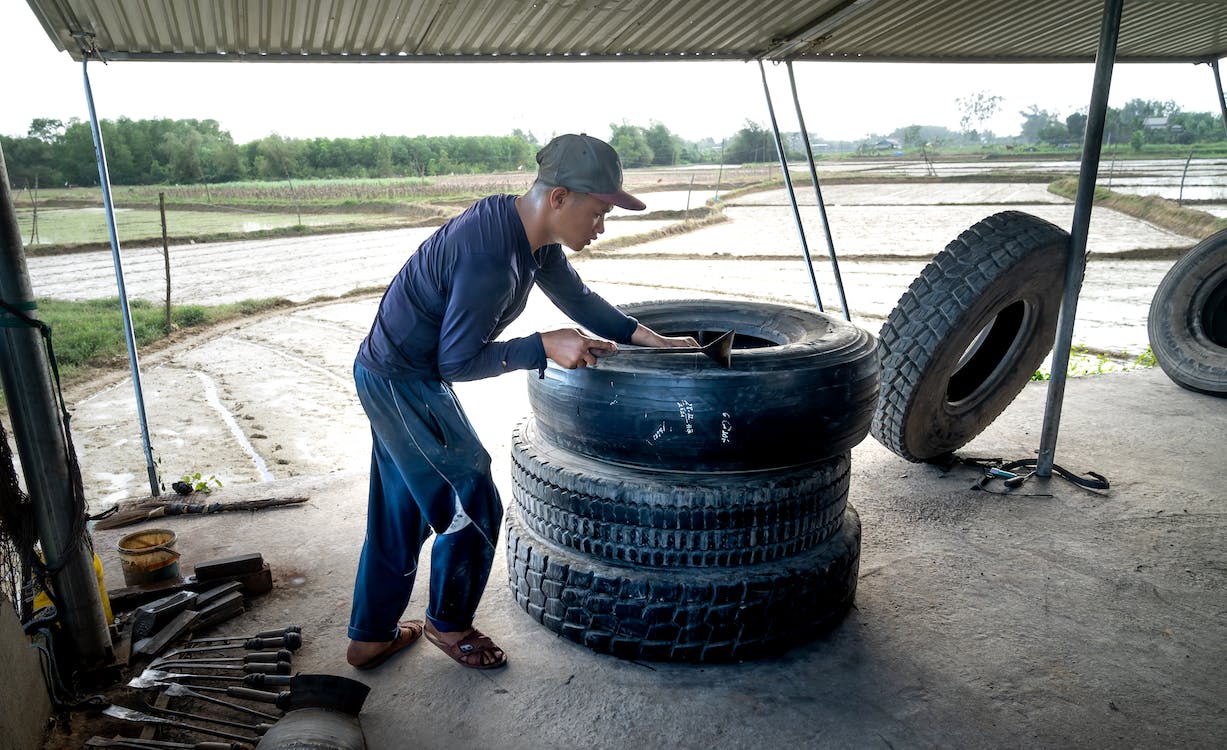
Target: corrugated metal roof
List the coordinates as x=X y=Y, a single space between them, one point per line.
x=486 y=30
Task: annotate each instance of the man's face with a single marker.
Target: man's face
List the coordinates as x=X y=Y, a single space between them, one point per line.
x=580 y=219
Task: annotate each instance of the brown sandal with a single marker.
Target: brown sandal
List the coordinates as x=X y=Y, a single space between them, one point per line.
x=471 y=650
x=407 y=633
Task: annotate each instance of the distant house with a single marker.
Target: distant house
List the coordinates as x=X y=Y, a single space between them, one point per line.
x=888 y=143
x=1155 y=123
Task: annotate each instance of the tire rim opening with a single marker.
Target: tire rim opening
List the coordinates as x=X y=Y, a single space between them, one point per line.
x=983 y=359
x=740 y=340
x=1214 y=316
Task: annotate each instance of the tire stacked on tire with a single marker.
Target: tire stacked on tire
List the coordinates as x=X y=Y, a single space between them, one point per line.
x=667 y=508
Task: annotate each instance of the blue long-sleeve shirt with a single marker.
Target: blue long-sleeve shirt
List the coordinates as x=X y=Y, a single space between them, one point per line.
x=441 y=315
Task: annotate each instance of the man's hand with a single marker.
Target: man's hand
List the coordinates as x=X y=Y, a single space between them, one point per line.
x=570 y=348
x=644 y=336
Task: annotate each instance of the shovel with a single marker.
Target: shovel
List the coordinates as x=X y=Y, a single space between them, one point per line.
x=127 y=714
x=719 y=349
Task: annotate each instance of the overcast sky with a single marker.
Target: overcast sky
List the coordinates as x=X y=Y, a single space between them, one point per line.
x=841 y=101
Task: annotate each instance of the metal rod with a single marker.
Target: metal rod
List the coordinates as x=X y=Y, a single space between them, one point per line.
x=1184 y=175
x=42 y=445
x=1075 y=263
x=1218 y=86
x=792 y=196
x=104 y=179
x=822 y=209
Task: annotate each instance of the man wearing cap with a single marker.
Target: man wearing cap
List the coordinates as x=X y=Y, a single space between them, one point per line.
x=438 y=322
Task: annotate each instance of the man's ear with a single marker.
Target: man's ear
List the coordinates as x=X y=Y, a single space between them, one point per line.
x=558 y=195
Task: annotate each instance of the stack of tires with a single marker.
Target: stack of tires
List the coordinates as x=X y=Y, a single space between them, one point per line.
x=668 y=508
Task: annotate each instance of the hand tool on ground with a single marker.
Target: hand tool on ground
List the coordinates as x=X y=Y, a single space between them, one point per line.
x=277 y=633
x=259 y=728
x=149 y=511
x=175 y=690
x=719 y=349
x=280 y=667
x=153 y=677
x=128 y=714
x=255 y=657
x=135 y=742
x=289 y=641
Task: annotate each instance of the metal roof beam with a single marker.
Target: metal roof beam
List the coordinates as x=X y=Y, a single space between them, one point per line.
x=826 y=23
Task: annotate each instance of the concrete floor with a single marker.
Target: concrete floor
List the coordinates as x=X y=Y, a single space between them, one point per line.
x=1048 y=617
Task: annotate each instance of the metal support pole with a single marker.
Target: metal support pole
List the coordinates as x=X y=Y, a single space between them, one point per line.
x=1076 y=262
x=42 y=446
x=1218 y=86
x=792 y=196
x=105 y=179
x=822 y=208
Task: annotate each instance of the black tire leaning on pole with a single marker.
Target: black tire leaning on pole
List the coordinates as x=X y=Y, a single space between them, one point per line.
x=1187 y=324
x=968 y=334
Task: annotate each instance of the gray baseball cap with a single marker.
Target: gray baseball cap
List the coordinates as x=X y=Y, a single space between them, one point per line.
x=586 y=165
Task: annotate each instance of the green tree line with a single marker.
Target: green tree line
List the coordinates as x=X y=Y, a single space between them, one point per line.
x=142 y=152
x=162 y=151
x=1138 y=123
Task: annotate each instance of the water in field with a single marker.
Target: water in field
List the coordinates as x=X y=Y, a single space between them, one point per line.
x=74 y=226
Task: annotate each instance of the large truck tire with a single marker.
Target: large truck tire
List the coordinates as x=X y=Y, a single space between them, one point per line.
x=686 y=614
x=625 y=514
x=968 y=334
x=801 y=388
x=1187 y=324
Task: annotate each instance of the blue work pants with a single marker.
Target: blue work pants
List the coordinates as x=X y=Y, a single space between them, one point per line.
x=429 y=472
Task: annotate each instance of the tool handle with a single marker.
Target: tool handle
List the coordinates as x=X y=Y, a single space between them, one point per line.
x=262 y=680
x=279 y=632
x=268 y=656
x=262 y=696
x=289 y=641
x=281 y=667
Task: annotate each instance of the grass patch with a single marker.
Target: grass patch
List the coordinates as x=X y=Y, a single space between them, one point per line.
x=682 y=227
x=1084 y=361
x=1161 y=212
x=90 y=334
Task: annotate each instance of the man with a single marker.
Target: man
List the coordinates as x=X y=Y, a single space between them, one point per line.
x=438 y=323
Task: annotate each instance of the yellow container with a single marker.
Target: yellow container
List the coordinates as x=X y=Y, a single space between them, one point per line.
x=148 y=556
x=102 y=589
x=42 y=600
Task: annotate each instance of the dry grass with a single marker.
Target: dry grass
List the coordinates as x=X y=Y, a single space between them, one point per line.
x=1161 y=212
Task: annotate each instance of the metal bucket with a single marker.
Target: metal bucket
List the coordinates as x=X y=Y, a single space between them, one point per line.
x=148 y=556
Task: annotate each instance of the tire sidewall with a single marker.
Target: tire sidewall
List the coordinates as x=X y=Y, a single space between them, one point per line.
x=1176 y=324
x=807 y=396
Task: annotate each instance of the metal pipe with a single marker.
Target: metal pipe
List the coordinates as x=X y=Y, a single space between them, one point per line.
x=1076 y=262
x=822 y=209
x=1218 y=85
x=43 y=448
x=792 y=196
x=104 y=179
